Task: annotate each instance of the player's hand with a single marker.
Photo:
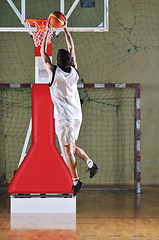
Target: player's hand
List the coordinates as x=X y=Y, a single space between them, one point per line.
x=48 y=26
x=65 y=23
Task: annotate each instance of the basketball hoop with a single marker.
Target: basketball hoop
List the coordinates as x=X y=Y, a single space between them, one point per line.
x=38 y=35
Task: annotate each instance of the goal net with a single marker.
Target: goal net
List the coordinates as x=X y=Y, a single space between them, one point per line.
x=108 y=133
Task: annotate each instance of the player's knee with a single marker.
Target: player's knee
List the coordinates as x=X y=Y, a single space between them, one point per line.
x=69 y=150
x=78 y=150
x=74 y=147
x=74 y=164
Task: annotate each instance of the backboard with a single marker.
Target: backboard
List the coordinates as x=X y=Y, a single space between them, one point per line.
x=82 y=15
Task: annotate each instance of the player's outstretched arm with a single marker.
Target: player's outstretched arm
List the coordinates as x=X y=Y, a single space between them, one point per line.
x=70 y=45
x=46 y=60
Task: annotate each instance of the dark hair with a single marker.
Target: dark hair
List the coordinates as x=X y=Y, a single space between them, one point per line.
x=64 y=60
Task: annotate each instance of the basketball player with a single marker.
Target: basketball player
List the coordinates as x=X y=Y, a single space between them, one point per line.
x=67 y=107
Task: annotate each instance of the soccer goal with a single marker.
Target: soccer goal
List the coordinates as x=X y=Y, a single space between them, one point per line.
x=110 y=132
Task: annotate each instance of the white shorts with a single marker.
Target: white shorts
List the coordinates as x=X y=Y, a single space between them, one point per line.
x=67 y=130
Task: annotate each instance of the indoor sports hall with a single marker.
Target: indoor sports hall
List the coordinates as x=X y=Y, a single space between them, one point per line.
x=116 y=48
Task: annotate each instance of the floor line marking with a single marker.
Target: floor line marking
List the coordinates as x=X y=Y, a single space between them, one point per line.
x=137 y=236
x=113 y=235
x=89 y=235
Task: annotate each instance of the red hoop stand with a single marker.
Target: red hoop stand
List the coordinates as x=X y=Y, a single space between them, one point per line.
x=43 y=182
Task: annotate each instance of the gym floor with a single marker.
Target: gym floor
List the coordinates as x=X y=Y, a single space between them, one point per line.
x=102 y=215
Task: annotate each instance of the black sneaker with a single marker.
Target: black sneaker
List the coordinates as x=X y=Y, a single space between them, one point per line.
x=93 y=170
x=77 y=187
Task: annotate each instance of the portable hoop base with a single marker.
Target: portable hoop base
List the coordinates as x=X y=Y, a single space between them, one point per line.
x=43 y=204
x=43 y=212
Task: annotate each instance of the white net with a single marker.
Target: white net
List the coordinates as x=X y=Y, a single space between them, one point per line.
x=38 y=35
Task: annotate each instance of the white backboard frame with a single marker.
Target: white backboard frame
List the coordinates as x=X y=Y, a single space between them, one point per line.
x=26 y=28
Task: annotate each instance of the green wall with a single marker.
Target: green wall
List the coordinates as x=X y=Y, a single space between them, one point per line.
x=128 y=53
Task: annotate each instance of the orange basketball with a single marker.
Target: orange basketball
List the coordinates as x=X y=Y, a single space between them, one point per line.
x=57 y=19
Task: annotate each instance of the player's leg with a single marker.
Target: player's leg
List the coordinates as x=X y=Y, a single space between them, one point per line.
x=80 y=153
x=72 y=164
x=64 y=131
x=92 y=167
x=70 y=158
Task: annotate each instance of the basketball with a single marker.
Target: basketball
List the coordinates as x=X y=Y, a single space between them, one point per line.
x=57 y=19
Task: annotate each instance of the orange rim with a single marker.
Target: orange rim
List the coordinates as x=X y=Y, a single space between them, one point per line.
x=40 y=22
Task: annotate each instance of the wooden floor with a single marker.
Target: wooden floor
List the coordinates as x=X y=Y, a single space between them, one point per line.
x=100 y=215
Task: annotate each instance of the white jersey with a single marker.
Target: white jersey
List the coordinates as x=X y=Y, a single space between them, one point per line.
x=65 y=95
